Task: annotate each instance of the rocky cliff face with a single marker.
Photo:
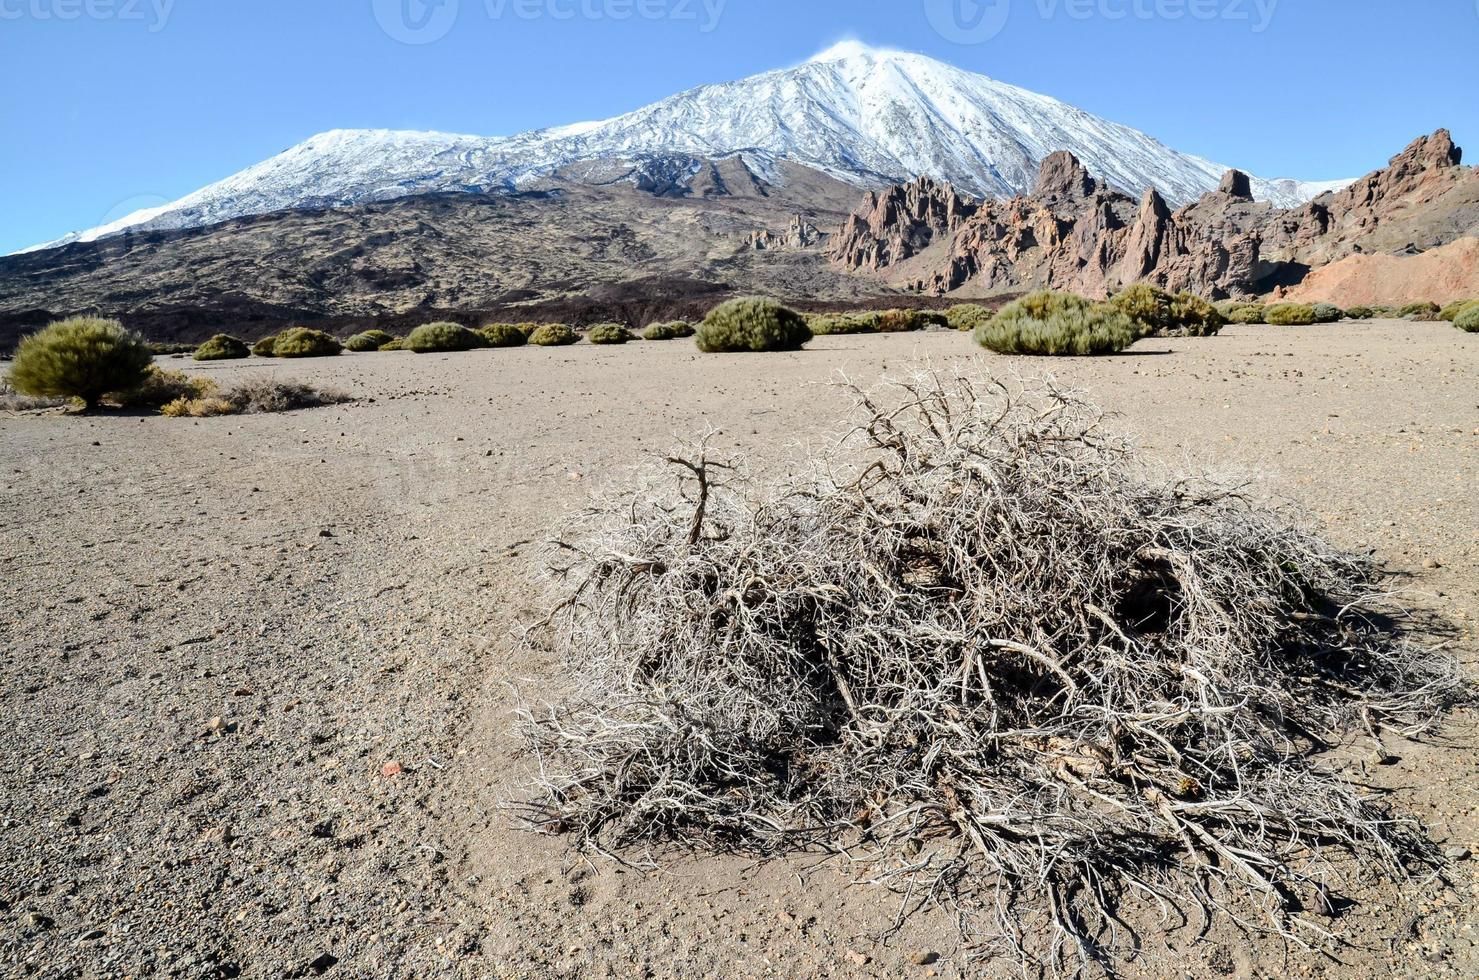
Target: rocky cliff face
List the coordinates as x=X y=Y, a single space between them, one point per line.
x=898 y=223
x=1075 y=232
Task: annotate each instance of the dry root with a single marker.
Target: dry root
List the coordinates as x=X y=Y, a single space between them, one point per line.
x=981 y=650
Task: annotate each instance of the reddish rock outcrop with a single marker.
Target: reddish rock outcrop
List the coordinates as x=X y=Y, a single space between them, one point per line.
x=899 y=223
x=1075 y=232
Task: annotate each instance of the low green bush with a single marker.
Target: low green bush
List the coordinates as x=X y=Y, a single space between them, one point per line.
x=369 y=341
x=1162 y=314
x=1058 y=324
x=908 y=321
x=265 y=346
x=1290 y=315
x=1453 y=311
x=84 y=358
x=752 y=324
x=553 y=335
x=1468 y=320
x=441 y=338
x=1328 y=313
x=826 y=324
x=608 y=333
x=1238 y=312
x=222 y=347
x=169 y=348
x=502 y=335
x=1421 y=310
x=1193 y=316
x=968 y=316
x=303 y=342
x=1360 y=312
x=671 y=330
x=1149 y=306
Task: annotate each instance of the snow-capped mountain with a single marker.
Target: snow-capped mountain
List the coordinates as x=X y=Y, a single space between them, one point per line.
x=866 y=116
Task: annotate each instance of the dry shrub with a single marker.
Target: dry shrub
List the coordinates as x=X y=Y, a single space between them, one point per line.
x=982 y=652
x=253 y=398
x=13 y=401
x=162 y=386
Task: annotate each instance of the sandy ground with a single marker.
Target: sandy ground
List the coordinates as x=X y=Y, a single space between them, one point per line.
x=218 y=634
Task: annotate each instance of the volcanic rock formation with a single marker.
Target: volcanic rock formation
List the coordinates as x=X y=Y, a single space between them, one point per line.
x=1077 y=233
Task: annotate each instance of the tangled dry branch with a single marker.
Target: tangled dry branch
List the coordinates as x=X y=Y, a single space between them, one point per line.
x=980 y=649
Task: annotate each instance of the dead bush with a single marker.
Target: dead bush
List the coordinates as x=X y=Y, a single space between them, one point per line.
x=984 y=653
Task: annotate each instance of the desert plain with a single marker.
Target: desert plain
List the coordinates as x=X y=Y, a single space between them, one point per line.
x=259 y=671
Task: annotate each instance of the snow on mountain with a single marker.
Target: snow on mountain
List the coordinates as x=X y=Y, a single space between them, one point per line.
x=864 y=115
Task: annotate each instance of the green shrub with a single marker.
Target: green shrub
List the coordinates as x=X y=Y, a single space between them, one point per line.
x=1161 y=314
x=668 y=331
x=608 y=333
x=824 y=324
x=1147 y=305
x=968 y=316
x=169 y=348
x=527 y=329
x=1468 y=320
x=502 y=335
x=1290 y=315
x=265 y=346
x=553 y=335
x=1238 y=312
x=441 y=338
x=1452 y=311
x=370 y=340
x=1058 y=324
x=397 y=343
x=1328 y=313
x=160 y=387
x=84 y=358
x=1422 y=310
x=1195 y=317
x=303 y=342
x=752 y=324
x=908 y=321
x=222 y=347
x=1360 y=312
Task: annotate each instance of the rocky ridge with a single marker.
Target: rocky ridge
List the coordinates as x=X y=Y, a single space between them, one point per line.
x=1075 y=231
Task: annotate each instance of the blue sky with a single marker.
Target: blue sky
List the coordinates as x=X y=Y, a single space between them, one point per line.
x=112 y=105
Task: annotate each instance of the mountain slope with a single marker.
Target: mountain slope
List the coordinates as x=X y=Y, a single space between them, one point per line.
x=865 y=116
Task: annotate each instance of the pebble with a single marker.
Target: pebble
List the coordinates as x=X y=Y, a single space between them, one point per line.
x=861 y=959
x=1458 y=854
x=925 y=957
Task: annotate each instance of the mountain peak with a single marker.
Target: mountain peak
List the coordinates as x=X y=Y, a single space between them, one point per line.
x=869 y=116
x=851 y=50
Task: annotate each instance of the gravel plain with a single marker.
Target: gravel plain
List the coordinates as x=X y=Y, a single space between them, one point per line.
x=258 y=671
